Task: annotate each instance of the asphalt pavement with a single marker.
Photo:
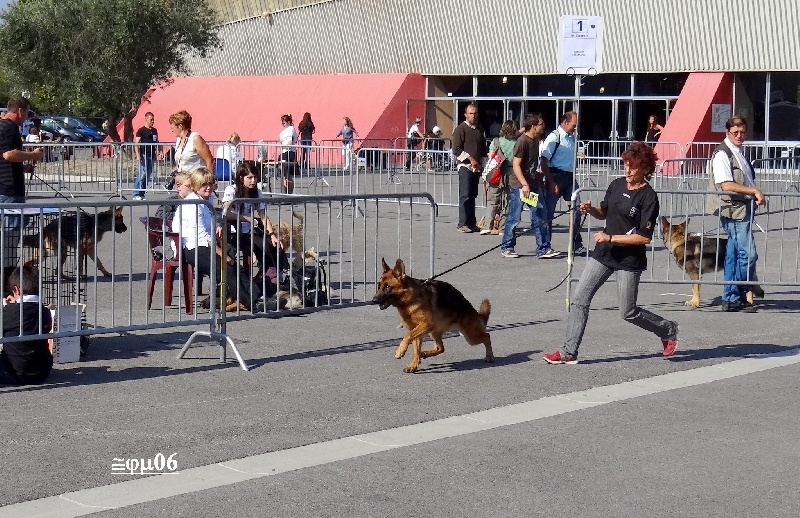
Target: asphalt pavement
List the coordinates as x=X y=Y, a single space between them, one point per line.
x=327 y=424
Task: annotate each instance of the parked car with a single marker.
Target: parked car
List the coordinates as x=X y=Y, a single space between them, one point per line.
x=67 y=133
x=83 y=126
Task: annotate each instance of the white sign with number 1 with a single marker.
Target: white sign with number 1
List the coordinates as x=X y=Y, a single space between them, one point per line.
x=581 y=45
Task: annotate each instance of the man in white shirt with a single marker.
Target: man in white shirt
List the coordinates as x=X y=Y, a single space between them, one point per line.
x=413 y=139
x=732 y=172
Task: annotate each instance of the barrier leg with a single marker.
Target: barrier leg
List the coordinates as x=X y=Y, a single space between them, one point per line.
x=224 y=341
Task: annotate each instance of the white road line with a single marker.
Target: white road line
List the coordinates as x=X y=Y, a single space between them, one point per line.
x=148 y=489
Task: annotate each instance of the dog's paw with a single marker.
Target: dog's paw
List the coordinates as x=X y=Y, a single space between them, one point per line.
x=489 y=359
x=411 y=368
x=692 y=303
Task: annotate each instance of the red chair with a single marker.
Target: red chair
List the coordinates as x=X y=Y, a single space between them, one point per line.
x=156 y=236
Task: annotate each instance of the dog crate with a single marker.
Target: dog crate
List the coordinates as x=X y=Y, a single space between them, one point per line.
x=61 y=285
x=24 y=238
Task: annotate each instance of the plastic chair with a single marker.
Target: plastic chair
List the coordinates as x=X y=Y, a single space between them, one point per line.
x=156 y=235
x=222 y=170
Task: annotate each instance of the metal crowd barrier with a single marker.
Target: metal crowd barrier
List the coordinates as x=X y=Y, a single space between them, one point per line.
x=328 y=253
x=74 y=168
x=323 y=168
x=74 y=245
x=600 y=162
x=774 y=229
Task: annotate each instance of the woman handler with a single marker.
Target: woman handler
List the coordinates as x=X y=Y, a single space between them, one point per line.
x=630 y=208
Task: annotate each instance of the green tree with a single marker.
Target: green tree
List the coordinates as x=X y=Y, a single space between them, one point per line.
x=104 y=54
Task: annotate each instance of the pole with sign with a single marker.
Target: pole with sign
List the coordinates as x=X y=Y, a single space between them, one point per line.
x=580 y=54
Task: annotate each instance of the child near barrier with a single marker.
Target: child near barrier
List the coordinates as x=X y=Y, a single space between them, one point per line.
x=27 y=362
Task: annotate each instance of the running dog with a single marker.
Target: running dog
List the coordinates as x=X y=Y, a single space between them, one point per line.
x=79 y=232
x=697 y=255
x=430 y=308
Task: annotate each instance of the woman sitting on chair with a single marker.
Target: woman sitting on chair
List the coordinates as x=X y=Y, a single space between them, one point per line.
x=194 y=223
x=251 y=229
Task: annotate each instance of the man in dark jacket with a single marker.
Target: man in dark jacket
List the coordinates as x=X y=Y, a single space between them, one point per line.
x=469 y=147
x=27 y=362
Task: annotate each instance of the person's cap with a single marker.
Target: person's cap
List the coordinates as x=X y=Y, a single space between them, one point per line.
x=418 y=119
x=436 y=129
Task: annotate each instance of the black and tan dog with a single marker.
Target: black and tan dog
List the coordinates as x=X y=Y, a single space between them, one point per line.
x=430 y=307
x=697 y=255
x=79 y=232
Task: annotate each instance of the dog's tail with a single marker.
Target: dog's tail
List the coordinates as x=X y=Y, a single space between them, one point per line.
x=484 y=310
x=297 y=216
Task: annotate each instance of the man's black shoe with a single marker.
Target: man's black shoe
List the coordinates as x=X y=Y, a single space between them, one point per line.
x=738 y=305
x=748 y=308
x=730 y=307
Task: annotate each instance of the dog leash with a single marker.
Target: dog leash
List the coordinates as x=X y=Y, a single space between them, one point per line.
x=569 y=250
x=516 y=233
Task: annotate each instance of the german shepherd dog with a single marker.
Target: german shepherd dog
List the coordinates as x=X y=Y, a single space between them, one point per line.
x=291 y=235
x=77 y=232
x=697 y=255
x=430 y=308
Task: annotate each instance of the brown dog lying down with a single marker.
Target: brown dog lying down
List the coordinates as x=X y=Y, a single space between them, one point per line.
x=697 y=255
x=432 y=308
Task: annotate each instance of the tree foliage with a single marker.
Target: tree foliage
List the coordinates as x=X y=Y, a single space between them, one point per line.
x=102 y=54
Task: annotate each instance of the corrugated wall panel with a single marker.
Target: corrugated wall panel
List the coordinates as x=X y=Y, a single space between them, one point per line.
x=453 y=37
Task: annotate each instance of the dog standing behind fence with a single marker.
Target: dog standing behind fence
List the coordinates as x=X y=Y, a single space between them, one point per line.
x=697 y=255
x=79 y=232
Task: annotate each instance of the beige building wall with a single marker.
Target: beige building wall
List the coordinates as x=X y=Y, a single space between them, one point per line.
x=232 y=10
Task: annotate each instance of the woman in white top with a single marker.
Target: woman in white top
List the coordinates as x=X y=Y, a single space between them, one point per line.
x=191 y=150
x=228 y=151
x=252 y=216
x=288 y=138
x=195 y=224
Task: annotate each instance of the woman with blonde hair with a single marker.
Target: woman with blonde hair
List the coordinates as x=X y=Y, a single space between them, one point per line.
x=229 y=151
x=195 y=224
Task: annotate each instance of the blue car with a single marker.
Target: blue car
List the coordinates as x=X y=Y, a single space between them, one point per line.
x=97 y=135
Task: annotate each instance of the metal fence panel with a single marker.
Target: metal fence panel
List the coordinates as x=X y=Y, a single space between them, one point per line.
x=332 y=248
x=774 y=228
x=66 y=240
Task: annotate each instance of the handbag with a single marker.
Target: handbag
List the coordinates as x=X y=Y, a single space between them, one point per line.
x=493 y=173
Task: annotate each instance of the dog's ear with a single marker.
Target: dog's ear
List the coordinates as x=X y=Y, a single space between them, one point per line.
x=400 y=268
x=687 y=221
x=385 y=266
x=116 y=210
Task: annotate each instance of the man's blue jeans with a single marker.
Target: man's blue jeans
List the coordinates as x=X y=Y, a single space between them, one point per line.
x=740 y=257
x=513 y=217
x=540 y=224
x=145 y=170
x=565 y=187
